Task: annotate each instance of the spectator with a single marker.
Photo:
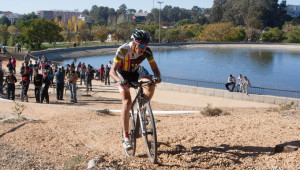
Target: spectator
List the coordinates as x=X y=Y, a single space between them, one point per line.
x=102 y=73
x=39 y=62
x=30 y=70
x=38 y=81
x=1 y=80
x=89 y=78
x=9 y=65
x=239 y=83
x=22 y=69
x=107 y=78
x=60 y=81
x=25 y=82
x=143 y=72
x=231 y=81
x=19 y=47
x=36 y=65
x=50 y=75
x=82 y=74
x=45 y=87
x=27 y=58
x=72 y=76
x=4 y=50
x=109 y=64
x=11 y=81
x=1 y=48
x=14 y=63
x=246 y=84
x=43 y=64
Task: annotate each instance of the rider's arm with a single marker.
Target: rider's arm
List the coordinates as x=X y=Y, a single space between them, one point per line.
x=113 y=71
x=155 y=69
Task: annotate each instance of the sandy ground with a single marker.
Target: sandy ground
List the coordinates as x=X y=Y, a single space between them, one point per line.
x=67 y=137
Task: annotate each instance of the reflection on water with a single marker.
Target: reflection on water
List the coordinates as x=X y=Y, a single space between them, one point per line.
x=265 y=68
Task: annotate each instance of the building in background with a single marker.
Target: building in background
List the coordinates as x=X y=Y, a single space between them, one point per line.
x=11 y=16
x=64 y=16
x=293 y=10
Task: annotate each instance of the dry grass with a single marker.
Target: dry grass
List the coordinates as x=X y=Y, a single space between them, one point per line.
x=212 y=112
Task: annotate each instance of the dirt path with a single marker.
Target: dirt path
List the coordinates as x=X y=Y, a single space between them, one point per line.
x=67 y=138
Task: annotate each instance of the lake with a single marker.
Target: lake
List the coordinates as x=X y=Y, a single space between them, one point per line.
x=264 y=68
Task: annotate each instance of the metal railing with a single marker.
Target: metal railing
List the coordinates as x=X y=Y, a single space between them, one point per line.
x=251 y=90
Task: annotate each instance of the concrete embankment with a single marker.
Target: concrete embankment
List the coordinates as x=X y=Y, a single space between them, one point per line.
x=60 y=54
x=229 y=95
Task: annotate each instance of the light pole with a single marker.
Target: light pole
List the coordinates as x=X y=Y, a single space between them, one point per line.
x=160 y=2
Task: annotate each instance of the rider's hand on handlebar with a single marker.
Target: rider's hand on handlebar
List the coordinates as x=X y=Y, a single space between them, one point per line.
x=157 y=80
x=123 y=82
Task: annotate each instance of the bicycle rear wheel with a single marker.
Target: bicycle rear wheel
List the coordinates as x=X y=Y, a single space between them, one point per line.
x=131 y=152
x=150 y=134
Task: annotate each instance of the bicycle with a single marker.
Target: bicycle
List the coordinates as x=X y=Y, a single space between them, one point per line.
x=142 y=122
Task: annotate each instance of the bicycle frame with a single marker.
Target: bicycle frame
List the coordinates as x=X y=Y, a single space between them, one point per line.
x=139 y=98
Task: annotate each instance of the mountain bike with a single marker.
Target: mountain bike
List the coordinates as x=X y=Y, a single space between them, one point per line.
x=141 y=122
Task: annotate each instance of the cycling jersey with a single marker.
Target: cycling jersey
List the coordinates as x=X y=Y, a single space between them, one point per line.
x=129 y=60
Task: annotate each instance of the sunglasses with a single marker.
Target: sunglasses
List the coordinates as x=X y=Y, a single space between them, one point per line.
x=141 y=45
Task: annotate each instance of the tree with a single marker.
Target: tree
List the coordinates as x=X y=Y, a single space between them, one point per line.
x=13 y=31
x=4 y=34
x=37 y=31
x=4 y=21
x=26 y=17
x=124 y=30
x=100 y=32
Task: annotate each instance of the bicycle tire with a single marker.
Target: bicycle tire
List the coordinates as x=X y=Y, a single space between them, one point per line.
x=150 y=134
x=131 y=152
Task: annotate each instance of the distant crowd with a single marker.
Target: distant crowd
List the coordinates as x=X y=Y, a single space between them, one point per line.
x=44 y=75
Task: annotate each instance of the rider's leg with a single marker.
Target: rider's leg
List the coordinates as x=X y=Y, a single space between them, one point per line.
x=126 y=105
x=148 y=90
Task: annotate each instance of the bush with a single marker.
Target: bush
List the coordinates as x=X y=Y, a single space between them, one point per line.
x=273 y=35
x=209 y=111
x=222 y=32
x=294 y=35
x=284 y=107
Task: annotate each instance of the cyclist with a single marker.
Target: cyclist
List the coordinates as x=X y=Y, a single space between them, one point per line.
x=125 y=70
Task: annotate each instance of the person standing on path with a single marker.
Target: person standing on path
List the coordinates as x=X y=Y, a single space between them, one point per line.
x=107 y=78
x=11 y=81
x=60 y=83
x=38 y=82
x=82 y=73
x=14 y=63
x=231 y=81
x=101 y=73
x=1 y=80
x=45 y=88
x=72 y=76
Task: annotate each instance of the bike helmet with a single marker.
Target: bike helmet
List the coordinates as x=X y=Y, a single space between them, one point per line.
x=140 y=36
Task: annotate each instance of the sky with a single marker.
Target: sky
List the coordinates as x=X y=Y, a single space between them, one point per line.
x=27 y=6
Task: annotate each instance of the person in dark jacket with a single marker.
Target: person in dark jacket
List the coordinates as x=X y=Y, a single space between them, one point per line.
x=60 y=83
x=45 y=87
x=38 y=81
x=11 y=81
x=25 y=82
x=9 y=65
x=1 y=79
x=106 y=71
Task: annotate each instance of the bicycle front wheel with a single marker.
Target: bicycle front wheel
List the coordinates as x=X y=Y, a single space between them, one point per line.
x=150 y=132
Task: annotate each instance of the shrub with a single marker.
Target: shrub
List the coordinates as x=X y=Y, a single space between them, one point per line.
x=284 y=107
x=209 y=111
x=294 y=35
x=273 y=35
x=222 y=32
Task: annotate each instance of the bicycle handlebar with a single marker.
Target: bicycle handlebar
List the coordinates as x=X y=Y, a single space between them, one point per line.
x=140 y=83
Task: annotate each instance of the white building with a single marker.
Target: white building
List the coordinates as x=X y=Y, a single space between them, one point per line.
x=293 y=10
